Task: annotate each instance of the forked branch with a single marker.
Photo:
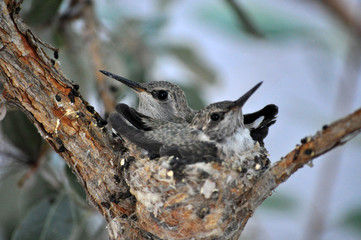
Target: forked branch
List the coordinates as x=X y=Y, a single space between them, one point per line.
x=33 y=82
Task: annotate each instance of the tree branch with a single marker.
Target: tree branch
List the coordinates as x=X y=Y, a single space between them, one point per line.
x=33 y=82
x=336 y=134
x=211 y=201
x=244 y=19
x=84 y=10
x=344 y=14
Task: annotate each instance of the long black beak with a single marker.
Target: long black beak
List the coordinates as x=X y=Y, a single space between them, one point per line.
x=242 y=100
x=133 y=85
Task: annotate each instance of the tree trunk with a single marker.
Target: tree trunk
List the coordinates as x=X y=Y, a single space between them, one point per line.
x=33 y=82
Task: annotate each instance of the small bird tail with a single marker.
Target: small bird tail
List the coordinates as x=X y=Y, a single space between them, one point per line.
x=260 y=121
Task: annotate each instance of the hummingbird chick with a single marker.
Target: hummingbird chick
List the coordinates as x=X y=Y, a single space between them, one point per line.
x=216 y=133
x=166 y=101
x=159 y=99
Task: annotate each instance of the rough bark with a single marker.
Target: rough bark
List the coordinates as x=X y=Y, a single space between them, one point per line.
x=33 y=82
x=331 y=136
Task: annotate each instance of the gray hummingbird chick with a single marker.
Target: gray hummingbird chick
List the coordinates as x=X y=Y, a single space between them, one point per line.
x=159 y=99
x=166 y=101
x=216 y=133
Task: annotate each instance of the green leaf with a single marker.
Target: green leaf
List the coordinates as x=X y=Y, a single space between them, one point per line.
x=10 y=199
x=59 y=39
x=92 y=226
x=74 y=183
x=277 y=23
x=279 y=202
x=42 y=11
x=21 y=132
x=352 y=219
x=192 y=61
x=270 y=20
x=194 y=97
x=49 y=219
x=163 y=5
x=151 y=27
x=37 y=188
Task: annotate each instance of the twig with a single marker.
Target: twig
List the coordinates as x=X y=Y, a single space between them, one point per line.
x=94 y=45
x=330 y=137
x=84 y=9
x=344 y=14
x=323 y=141
x=35 y=84
x=244 y=19
x=336 y=134
x=327 y=177
x=72 y=127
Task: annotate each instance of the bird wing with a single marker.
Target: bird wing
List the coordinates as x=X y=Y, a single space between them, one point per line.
x=151 y=135
x=137 y=119
x=190 y=153
x=134 y=135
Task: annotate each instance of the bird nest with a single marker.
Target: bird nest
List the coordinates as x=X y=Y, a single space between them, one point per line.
x=202 y=201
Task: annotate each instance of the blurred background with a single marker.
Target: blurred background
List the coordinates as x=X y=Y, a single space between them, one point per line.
x=307 y=53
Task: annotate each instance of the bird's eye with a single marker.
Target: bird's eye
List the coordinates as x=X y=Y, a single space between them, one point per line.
x=162 y=95
x=215 y=117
